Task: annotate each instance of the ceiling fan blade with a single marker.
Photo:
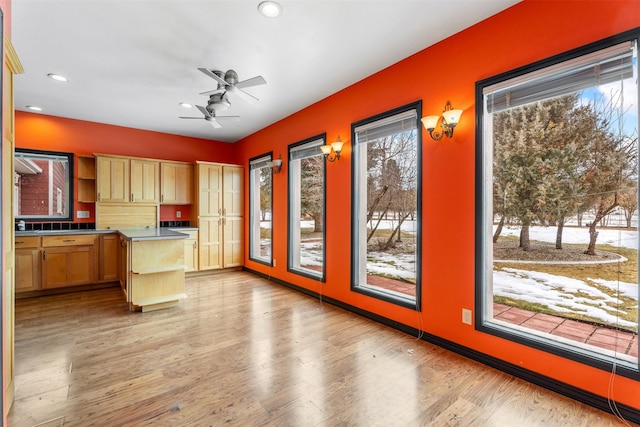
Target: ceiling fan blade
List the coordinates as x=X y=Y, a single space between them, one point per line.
x=213 y=76
x=255 y=81
x=213 y=122
x=198 y=118
x=242 y=94
x=204 y=111
x=211 y=92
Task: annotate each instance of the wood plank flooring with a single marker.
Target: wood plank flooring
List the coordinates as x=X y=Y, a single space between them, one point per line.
x=242 y=351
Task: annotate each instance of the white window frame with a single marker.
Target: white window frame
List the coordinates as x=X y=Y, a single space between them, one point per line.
x=257 y=245
x=405 y=117
x=557 y=75
x=298 y=151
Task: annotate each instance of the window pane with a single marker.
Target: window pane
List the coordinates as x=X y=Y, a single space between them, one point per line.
x=307 y=208
x=260 y=209
x=560 y=196
x=42 y=185
x=386 y=198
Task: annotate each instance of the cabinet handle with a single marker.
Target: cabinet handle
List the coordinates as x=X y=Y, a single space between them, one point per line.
x=224 y=221
x=224 y=211
x=195 y=245
x=69 y=240
x=19 y=242
x=44 y=255
x=99 y=197
x=162 y=198
x=219 y=211
x=132 y=197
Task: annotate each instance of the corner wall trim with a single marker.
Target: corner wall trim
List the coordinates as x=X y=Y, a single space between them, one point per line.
x=629 y=413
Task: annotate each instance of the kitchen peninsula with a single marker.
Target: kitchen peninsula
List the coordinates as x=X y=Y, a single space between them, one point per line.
x=148 y=263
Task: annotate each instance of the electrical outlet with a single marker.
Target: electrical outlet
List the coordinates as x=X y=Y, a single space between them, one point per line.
x=83 y=214
x=466 y=316
x=178 y=214
x=274 y=262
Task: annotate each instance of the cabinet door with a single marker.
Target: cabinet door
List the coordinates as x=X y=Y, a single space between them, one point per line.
x=145 y=181
x=191 y=253
x=27 y=269
x=209 y=190
x=109 y=246
x=209 y=241
x=232 y=238
x=176 y=182
x=67 y=266
x=233 y=189
x=113 y=179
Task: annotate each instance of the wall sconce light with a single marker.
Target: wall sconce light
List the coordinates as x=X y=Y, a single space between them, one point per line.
x=335 y=148
x=276 y=164
x=450 y=119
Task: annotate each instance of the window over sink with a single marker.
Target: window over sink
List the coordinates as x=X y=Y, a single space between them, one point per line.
x=43 y=185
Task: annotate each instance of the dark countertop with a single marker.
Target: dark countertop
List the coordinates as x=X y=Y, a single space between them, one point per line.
x=130 y=233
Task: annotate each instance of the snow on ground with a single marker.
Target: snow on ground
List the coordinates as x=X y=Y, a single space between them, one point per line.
x=562 y=294
x=565 y=294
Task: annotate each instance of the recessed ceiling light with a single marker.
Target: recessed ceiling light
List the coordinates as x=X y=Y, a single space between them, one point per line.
x=186 y=105
x=58 y=77
x=270 y=9
x=34 y=108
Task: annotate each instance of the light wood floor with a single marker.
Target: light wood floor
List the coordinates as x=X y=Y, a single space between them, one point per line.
x=241 y=351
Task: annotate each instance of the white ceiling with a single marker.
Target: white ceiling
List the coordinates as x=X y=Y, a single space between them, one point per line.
x=130 y=62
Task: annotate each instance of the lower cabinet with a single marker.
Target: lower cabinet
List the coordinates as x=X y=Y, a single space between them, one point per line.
x=220 y=242
x=68 y=260
x=190 y=251
x=109 y=256
x=27 y=266
x=65 y=260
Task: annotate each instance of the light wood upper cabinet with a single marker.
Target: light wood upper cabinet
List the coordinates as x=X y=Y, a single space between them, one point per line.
x=113 y=179
x=145 y=181
x=209 y=189
x=233 y=190
x=176 y=181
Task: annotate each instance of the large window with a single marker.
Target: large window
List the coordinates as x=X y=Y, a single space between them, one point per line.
x=557 y=205
x=386 y=206
x=43 y=185
x=307 y=208
x=260 y=205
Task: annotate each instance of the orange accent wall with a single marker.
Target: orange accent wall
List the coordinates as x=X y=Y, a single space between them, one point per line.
x=43 y=132
x=525 y=33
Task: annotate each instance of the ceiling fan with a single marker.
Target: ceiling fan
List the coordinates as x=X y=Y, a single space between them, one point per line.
x=210 y=116
x=229 y=83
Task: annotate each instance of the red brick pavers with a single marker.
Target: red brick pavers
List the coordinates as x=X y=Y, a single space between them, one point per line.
x=608 y=338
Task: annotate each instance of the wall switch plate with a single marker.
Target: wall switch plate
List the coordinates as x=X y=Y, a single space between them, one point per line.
x=83 y=214
x=178 y=214
x=466 y=316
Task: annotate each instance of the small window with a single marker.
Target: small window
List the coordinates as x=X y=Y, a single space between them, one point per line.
x=43 y=185
x=260 y=206
x=386 y=193
x=307 y=208
x=557 y=200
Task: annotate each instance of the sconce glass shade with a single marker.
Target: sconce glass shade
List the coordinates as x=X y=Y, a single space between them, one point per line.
x=337 y=146
x=452 y=117
x=277 y=163
x=430 y=122
x=326 y=149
